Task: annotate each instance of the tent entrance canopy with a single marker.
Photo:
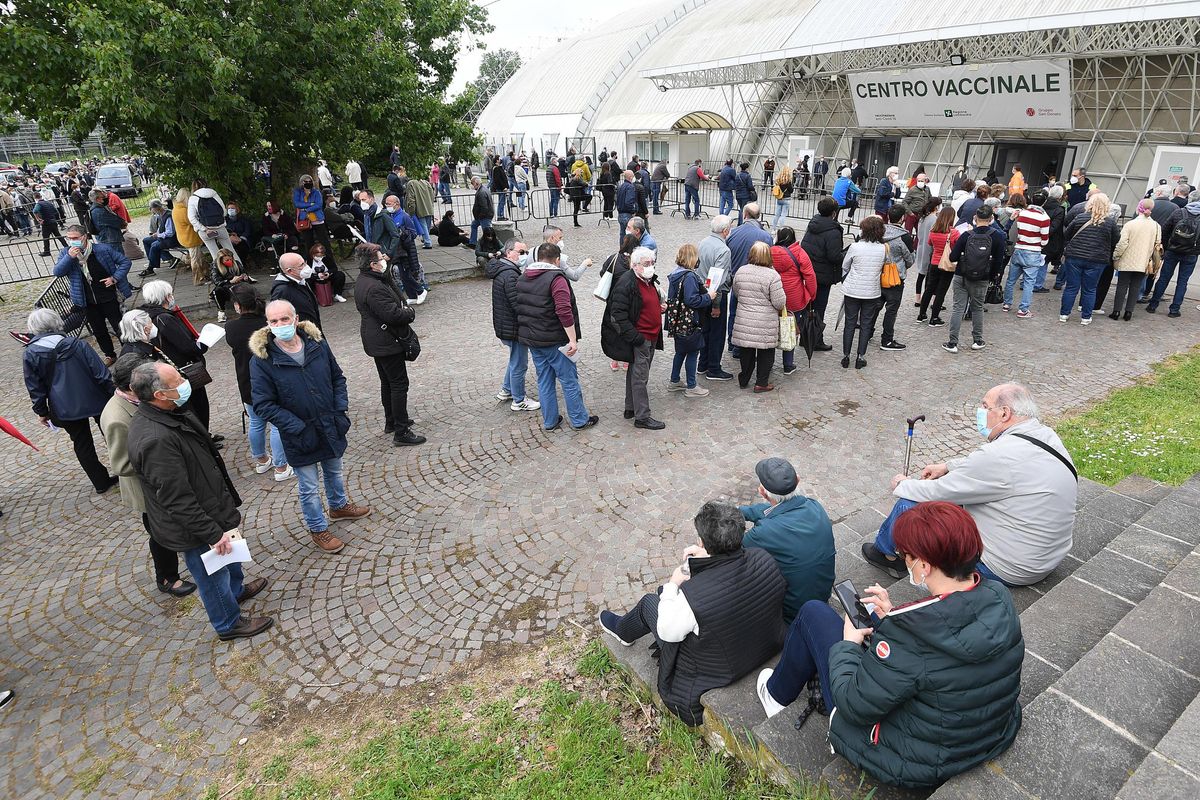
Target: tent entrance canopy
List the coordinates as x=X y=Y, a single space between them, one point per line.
x=666 y=122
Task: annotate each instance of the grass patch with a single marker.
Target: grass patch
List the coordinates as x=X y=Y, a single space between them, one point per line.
x=87 y=781
x=1148 y=429
x=558 y=722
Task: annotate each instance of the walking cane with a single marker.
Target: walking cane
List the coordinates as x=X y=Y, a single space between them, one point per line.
x=912 y=423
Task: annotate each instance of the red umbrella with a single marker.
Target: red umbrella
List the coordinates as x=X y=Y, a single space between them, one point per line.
x=12 y=431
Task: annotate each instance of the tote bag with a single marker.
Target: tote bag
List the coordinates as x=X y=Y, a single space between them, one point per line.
x=787 y=330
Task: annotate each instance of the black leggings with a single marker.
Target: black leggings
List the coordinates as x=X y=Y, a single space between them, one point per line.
x=757 y=363
x=920 y=281
x=860 y=314
x=393 y=390
x=936 y=286
x=575 y=211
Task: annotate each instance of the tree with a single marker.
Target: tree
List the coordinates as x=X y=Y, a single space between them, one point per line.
x=494 y=71
x=209 y=88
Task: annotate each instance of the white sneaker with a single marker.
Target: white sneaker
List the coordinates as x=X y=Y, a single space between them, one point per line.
x=339 y=298
x=1063 y=317
x=421 y=298
x=288 y=472
x=1087 y=321
x=698 y=391
x=220 y=316
x=764 y=695
x=525 y=405
x=262 y=466
x=677 y=386
x=503 y=395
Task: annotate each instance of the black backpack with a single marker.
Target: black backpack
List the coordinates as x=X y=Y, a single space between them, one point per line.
x=976 y=261
x=210 y=213
x=1183 y=237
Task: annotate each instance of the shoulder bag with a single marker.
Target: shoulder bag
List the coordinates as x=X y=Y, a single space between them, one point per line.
x=604 y=285
x=1052 y=452
x=787 y=329
x=944 y=263
x=196 y=373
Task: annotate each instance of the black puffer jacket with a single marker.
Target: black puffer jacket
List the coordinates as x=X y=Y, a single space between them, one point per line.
x=385 y=315
x=823 y=243
x=174 y=339
x=1056 y=243
x=503 y=274
x=618 y=330
x=1089 y=242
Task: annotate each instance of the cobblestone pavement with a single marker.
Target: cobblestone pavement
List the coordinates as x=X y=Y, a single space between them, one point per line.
x=493 y=532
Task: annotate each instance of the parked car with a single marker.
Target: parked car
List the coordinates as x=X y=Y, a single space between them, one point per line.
x=121 y=179
x=10 y=175
x=57 y=167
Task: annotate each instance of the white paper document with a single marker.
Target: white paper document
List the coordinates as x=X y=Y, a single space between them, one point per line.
x=210 y=334
x=574 y=358
x=715 y=276
x=239 y=554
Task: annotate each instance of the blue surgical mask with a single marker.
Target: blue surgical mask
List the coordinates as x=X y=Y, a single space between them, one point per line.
x=185 y=393
x=233 y=213
x=981 y=422
x=285 y=332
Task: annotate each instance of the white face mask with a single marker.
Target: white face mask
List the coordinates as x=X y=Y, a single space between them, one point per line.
x=648 y=272
x=306 y=272
x=153 y=334
x=921 y=184
x=913 y=580
x=364 y=205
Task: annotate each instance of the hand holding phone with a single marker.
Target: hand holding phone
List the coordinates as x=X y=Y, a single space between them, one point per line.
x=856 y=612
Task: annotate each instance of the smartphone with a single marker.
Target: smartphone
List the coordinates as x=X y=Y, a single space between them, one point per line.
x=853 y=607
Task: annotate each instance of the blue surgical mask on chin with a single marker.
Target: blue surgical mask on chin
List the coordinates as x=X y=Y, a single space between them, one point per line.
x=284 y=332
x=185 y=393
x=981 y=423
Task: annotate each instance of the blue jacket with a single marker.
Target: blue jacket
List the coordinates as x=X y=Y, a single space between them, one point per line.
x=726 y=178
x=648 y=241
x=111 y=259
x=307 y=404
x=627 y=198
x=741 y=239
x=885 y=195
x=404 y=220
x=65 y=378
x=694 y=297
x=799 y=535
x=313 y=204
x=844 y=190
x=743 y=187
x=109 y=227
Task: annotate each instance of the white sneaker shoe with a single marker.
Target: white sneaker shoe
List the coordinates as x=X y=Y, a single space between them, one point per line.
x=421 y=297
x=677 y=386
x=1063 y=317
x=698 y=391
x=503 y=395
x=262 y=466
x=764 y=695
x=339 y=298
x=220 y=316
x=1087 y=321
x=287 y=473
x=525 y=405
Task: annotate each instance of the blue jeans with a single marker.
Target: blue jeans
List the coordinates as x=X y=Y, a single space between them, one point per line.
x=555 y=196
x=218 y=591
x=781 y=211
x=814 y=632
x=726 y=205
x=733 y=351
x=552 y=364
x=655 y=190
x=257 y=433
x=422 y=229
x=714 y=339
x=1081 y=275
x=622 y=220
x=521 y=187
x=501 y=204
x=691 y=193
x=688 y=361
x=1186 y=263
x=514 y=373
x=1040 y=281
x=476 y=224
x=444 y=190
x=887 y=545
x=1030 y=264
x=310 y=492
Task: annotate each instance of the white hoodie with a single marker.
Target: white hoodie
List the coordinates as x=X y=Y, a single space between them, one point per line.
x=194 y=204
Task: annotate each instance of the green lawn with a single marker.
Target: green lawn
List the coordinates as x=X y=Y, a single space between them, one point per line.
x=1150 y=429
x=539 y=741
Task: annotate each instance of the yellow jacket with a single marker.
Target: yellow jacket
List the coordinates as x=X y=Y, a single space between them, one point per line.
x=184 y=231
x=580 y=164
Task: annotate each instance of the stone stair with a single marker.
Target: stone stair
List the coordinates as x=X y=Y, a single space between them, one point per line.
x=1109 y=682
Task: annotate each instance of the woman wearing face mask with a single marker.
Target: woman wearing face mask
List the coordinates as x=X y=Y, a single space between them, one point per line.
x=310 y=218
x=240 y=234
x=138 y=334
x=325 y=271
x=931 y=689
x=278 y=230
x=386 y=317
x=175 y=341
x=224 y=275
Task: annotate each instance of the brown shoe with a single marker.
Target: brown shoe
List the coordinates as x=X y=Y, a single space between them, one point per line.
x=349 y=511
x=251 y=589
x=246 y=627
x=770 y=387
x=327 y=541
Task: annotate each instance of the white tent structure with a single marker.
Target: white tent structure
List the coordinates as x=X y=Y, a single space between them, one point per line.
x=746 y=79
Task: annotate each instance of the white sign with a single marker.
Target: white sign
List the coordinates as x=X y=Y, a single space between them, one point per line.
x=1175 y=165
x=1023 y=95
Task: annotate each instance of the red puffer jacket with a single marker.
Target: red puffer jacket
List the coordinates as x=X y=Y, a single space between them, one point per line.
x=800 y=285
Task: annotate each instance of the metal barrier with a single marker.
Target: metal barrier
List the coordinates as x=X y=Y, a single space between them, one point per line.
x=57 y=297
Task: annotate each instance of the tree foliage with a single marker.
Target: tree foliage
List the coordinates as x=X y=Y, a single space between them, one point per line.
x=495 y=69
x=208 y=87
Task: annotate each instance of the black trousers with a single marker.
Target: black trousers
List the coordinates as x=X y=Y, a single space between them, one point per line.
x=819 y=304
x=85 y=449
x=937 y=283
x=890 y=302
x=198 y=404
x=221 y=296
x=166 y=562
x=920 y=281
x=1103 y=286
x=575 y=211
x=97 y=314
x=1129 y=287
x=639 y=620
x=393 y=390
x=757 y=363
x=860 y=314
x=50 y=230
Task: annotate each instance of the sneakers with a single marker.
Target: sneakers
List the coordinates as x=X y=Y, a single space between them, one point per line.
x=936 y=322
x=146 y=273
x=978 y=344
x=1006 y=307
x=327 y=541
x=1063 y=317
x=1042 y=290
x=921 y=318
x=339 y=298
x=764 y=695
x=697 y=391
x=287 y=473
x=262 y=466
x=420 y=298
x=1087 y=321
x=524 y=405
x=1173 y=314
x=591 y=422
x=608 y=623
x=950 y=347
x=790 y=370
x=718 y=376
x=406 y=438
x=614 y=366
x=220 y=316
x=503 y=395
x=876 y=558
x=892 y=345
x=675 y=386
x=349 y=511
x=246 y=627
x=1024 y=314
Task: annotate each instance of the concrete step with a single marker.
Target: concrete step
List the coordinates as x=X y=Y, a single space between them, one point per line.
x=1172 y=769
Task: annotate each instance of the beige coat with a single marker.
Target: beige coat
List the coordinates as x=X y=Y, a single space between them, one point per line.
x=114 y=422
x=1138 y=239
x=760 y=296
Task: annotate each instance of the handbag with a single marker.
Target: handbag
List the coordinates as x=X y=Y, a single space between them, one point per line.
x=303 y=223
x=777 y=192
x=604 y=285
x=412 y=346
x=787 y=330
x=889 y=277
x=196 y=374
x=944 y=263
x=131 y=247
x=1156 y=260
x=324 y=293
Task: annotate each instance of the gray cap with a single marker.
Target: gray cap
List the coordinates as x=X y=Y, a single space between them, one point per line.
x=776 y=475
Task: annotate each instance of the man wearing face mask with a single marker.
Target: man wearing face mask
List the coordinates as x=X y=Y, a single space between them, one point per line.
x=632 y=330
x=191 y=504
x=406 y=252
x=1020 y=488
x=297 y=386
x=97 y=274
x=291 y=284
x=914 y=200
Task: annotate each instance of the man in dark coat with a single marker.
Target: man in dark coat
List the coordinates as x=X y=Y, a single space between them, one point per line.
x=503 y=272
x=743 y=189
x=718 y=617
x=500 y=190
x=298 y=387
x=632 y=330
x=191 y=505
x=291 y=284
x=823 y=243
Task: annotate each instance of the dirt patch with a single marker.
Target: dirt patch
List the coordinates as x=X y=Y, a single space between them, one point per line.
x=846 y=407
x=528 y=610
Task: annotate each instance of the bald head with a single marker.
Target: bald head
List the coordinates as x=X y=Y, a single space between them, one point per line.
x=1007 y=405
x=291 y=263
x=750 y=211
x=627 y=175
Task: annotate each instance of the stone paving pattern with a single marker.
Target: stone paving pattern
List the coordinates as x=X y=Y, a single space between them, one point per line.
x=493 y=532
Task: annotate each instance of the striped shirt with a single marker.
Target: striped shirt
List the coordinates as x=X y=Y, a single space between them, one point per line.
x=1033 y=229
